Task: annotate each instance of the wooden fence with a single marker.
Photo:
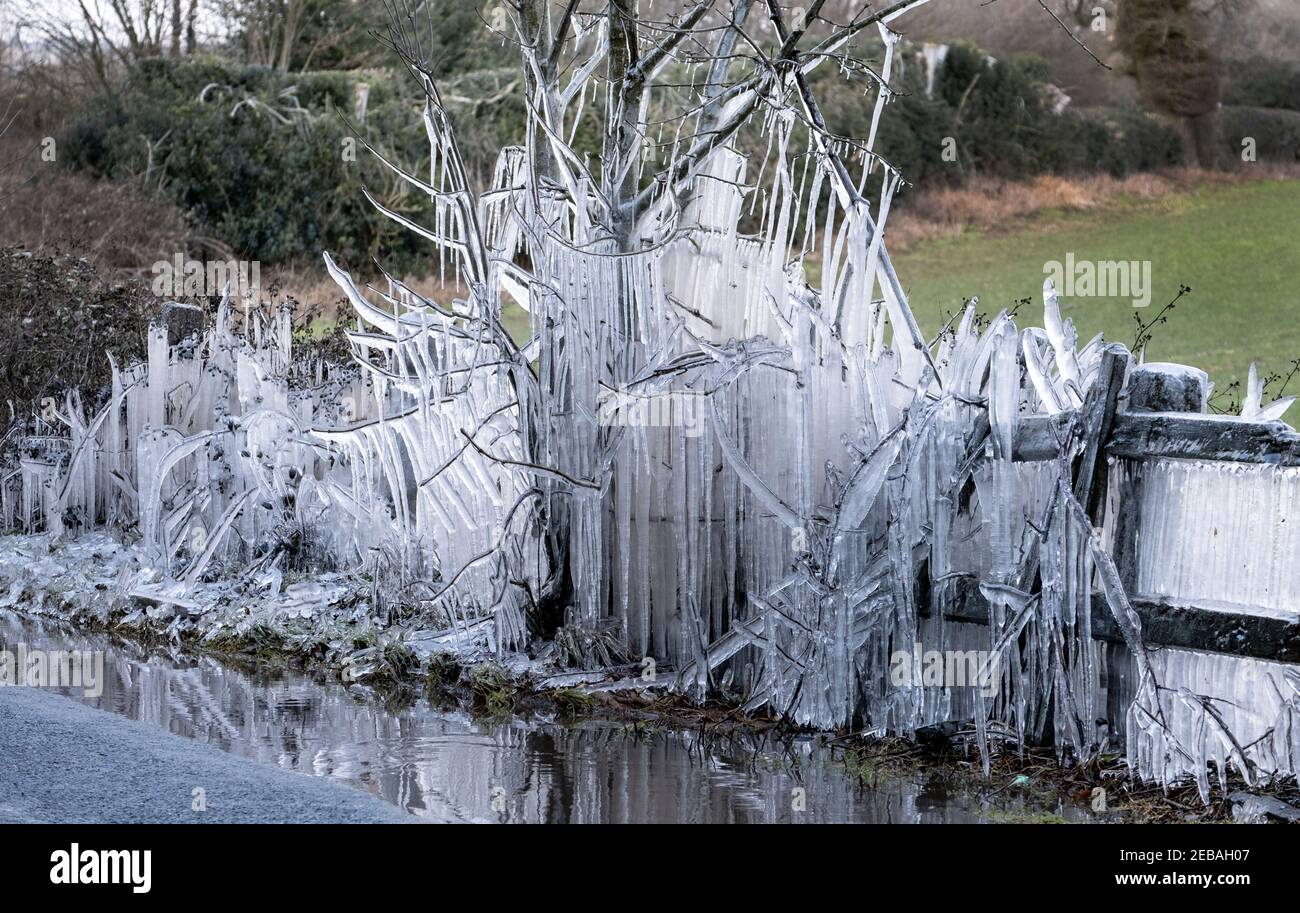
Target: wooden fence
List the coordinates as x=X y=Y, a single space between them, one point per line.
x=1143 y=429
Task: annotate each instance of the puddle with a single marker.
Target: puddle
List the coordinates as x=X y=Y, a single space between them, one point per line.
x=448 y=766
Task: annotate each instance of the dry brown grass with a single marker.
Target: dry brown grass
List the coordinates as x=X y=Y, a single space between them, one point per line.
x=310 y=286
x=48 y=209
x=111 y=225
x=992 y=204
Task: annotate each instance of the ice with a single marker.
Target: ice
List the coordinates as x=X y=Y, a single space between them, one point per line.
x=1219 y=533
x=701 y=460
x=1244 y=713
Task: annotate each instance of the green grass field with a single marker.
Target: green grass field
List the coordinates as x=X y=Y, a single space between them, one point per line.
x=1238 y=247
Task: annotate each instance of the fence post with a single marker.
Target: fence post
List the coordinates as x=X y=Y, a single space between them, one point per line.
x=1151 y=388
x=1098 y=419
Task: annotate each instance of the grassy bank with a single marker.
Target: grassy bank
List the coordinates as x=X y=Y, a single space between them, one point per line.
x=1238 y=247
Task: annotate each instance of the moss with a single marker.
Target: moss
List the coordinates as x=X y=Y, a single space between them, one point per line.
x=873 y=766
x=1023 y=816
x=491 y=689
x=572 y=702
x=442 y=671
x=396 y=665
x=441 y=675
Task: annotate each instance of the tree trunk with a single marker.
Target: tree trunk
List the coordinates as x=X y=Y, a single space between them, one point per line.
x=622 y=140
x=176 y=30
x=1206 y=134
x=1172 y=55
x=191 y=40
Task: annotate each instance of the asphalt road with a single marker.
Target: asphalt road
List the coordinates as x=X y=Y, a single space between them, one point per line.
x=63 y=762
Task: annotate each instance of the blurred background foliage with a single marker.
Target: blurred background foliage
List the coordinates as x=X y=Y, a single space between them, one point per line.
x=244 y=129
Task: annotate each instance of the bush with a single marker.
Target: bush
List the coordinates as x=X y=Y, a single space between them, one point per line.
x=912 y=127
x=1003 y=124
x=1262 y=82
x=258 y=157
x=1000 y=115
x=59 y=320
x=1120 y=141
x=1276 y=132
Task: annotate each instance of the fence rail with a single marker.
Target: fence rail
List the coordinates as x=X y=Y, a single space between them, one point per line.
x=1166 y=624
x=1148 y=435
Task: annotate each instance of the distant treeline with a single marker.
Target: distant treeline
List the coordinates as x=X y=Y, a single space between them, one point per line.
x=268 y=161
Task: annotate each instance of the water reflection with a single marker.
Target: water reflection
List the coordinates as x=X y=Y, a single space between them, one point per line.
x=447 y=766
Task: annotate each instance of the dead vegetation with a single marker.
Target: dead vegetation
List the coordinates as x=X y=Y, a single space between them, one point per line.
x=113 y=226
x=987 y=204
x=60 y=317
x=119 y=227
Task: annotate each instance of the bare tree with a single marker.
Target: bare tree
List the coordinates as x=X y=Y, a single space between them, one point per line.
x=101 y=37
x=289 y=34
x=670 y=94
